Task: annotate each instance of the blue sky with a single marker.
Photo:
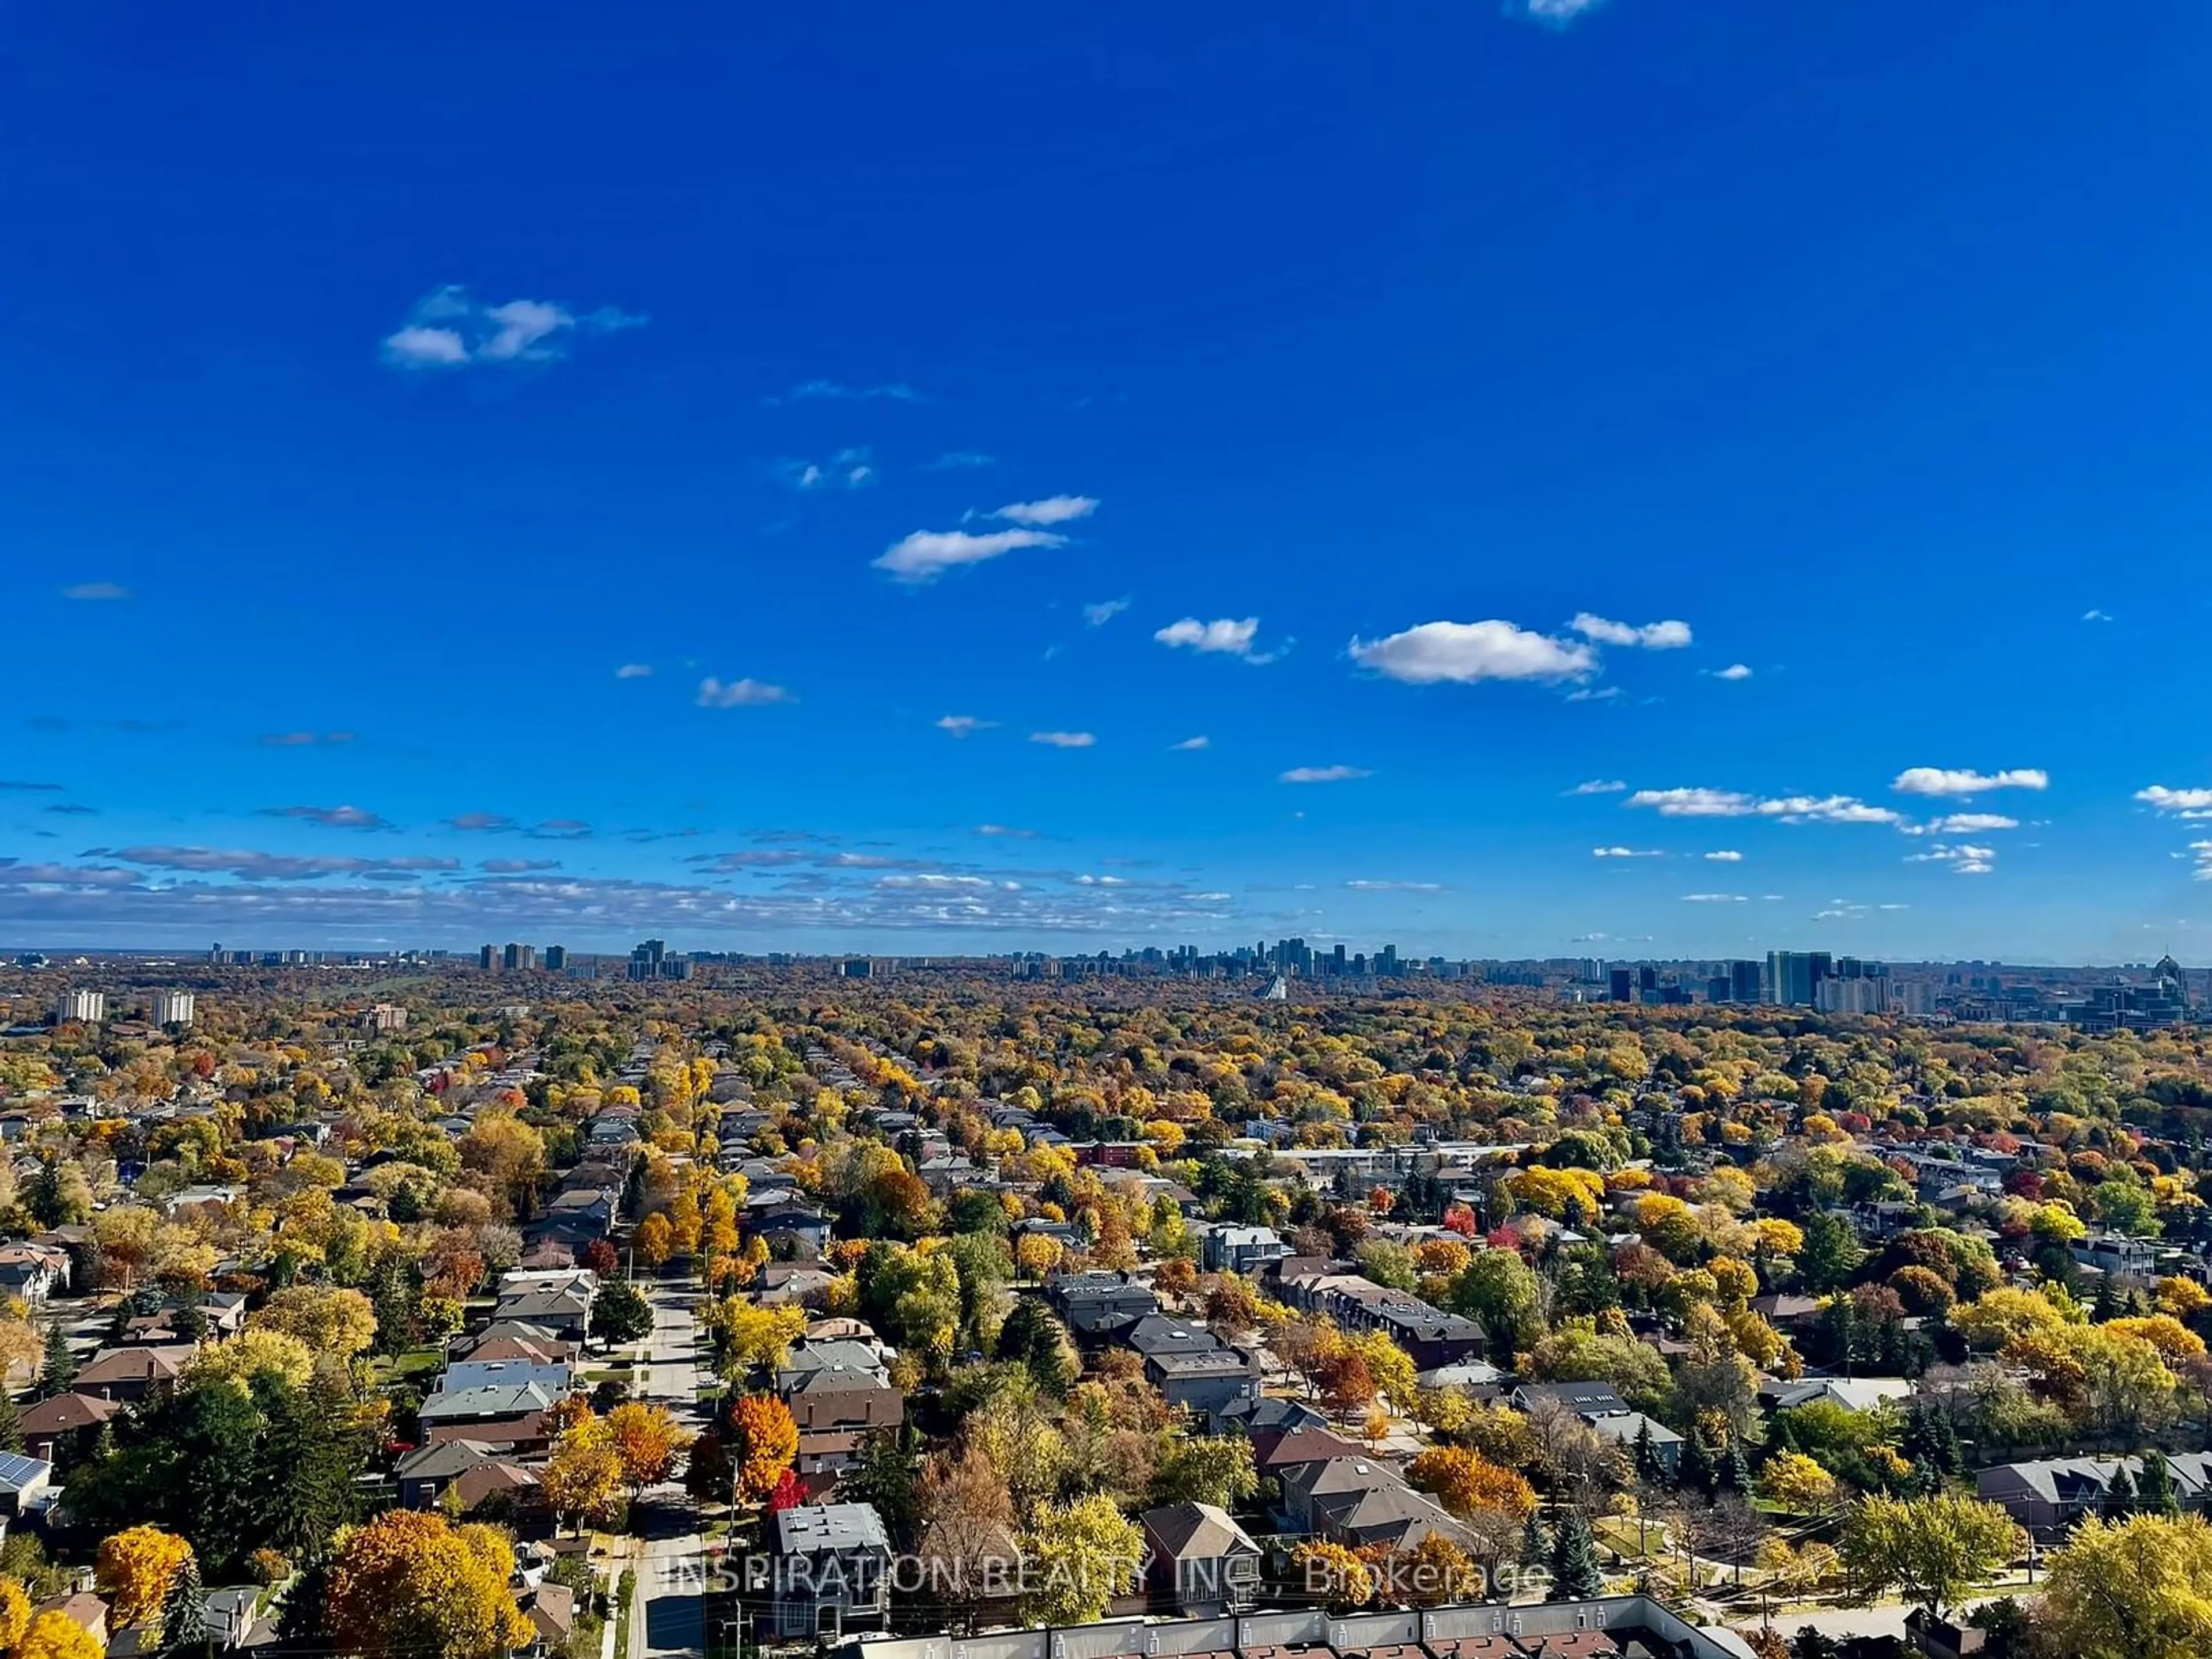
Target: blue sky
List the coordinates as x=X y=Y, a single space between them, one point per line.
x=553 y=472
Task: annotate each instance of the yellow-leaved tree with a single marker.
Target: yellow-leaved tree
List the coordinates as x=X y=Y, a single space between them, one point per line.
x=137 y=1567
x=408 y=1585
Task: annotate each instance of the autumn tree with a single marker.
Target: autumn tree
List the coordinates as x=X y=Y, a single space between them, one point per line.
x=55 y=1635
x=328 y=1318
x=1933 y=1549
x=1333 y=1575
x=137 y=1567
x=2138 y=1588
x=1464 y=1481
x=967 y=1525
x=648 y=1441
x=407 y=1585
x=763 y=1441
x=583 y=1479
x=1081 y=1556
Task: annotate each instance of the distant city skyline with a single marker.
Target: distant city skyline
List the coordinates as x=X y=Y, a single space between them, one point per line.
x=1699 y=481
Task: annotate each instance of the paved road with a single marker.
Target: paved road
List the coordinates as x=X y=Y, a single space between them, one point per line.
x=665 y=1613
x=1852 y=1621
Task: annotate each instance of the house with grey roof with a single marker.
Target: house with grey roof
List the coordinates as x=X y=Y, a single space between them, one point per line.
x=831 y=1571
x=1200 y=1563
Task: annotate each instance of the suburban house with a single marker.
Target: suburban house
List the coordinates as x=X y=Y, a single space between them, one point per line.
x=832 y=1571
x=514 y=1418
x=837 y=1397
x=129 y=1374
x=1096 y=1307
x=26 y=1483
x=1207 y=1382
x=561 y=1310
x=794 y=1227
x=1430 y=1336
x=65 y=1422
x=1241 y=1249
x=2050 y=1494
x=1200 y=1563
x=474 y=1468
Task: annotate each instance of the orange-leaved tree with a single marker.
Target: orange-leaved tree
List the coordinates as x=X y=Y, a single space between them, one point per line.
x=407 y=1583
x=763 y=1441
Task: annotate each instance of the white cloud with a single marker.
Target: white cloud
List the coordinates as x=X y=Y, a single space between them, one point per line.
x=1715 y=898
x=1695 y=802
x=1725 y=856
x=961 y=724
x=1626 y=853
x=740 y=694
x=1652 y=637
x=1964 y=823
x=896 y=391
x=1064 y=739
x=1600 y=787
x=1552 y=14
x=450 y=328
x=849 y=469
x=97 y=591
x=1965 y=858
x=1940 y=781
x=1190 y=744
x=633 y=671
x=2094 y=615
x=1052 y=509
x=1226 y=636
x=2202 y=849
x=2185 y=803
x=1005 y=832
x=1324 y=774
x=1594 y=693
x=1464 y=653
x=953 y=460
x=1100 y=881
x=1734 y=671
x=927 y=554
x=1102 y=611
x=1395 y=886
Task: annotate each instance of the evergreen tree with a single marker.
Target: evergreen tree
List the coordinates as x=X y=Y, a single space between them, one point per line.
x=1649 y=1467
x=300 y=1625
x=183 y=1619
x=11 y=1424
x=2154 y=1492
x=2107 y=1307
x=1815 y=1644
x=1735 y=1473
x=310 y=1457
x=60 y=1370
x=2119 y=1500
x=1695 y=1472
x=189 y=1322
x=1575 y=1573
x=1535 y=1548
x=1830 y=1255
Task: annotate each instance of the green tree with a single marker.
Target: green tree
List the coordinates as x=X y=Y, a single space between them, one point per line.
x=1214 y=1470
x=60 y=1369
x=1830 y=1255
x=1575 y=1573
x=620 y=1314
x=184 y=1618
x=1033 y=1338
x=1933 y=1549
x=2140 y=1588
x=1080 y=1556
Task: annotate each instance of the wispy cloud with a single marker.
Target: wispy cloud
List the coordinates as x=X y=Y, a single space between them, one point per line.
x=450 y=328
x=481 y=824
x=1725 y=855
x=517 y=867
x=1064 y=739
x=1551 y=14
x=1594 y=693
x=634 y=671
x=248 y=866
x=960 y=725
x=1941 y=781
x=330 y=818
x=837 y=391
x=1651 y=636
x=1102 y=611
x=1190 y=744
x=1963 y=823
x=1600 y=787
x=1699 y=803
x=1395 y=886
x=27 y=786
x=97 y=591
x=1227 y=636
x=1052 y=509
x=848 y=468
x=1964 y=859
x=958 y=460
x=1626 y=853
x=1324 y=774
x=2095 y=615
x=1464 y=653
x=1734 y=671
x=1716 y=898
x=928 y=554
x=740 y=694
x=2180 y=803
x=1005 y=832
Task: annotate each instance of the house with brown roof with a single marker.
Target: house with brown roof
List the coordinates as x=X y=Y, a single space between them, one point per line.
x=132 y=1373
x=64 y=1420
x=1200 y=1563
